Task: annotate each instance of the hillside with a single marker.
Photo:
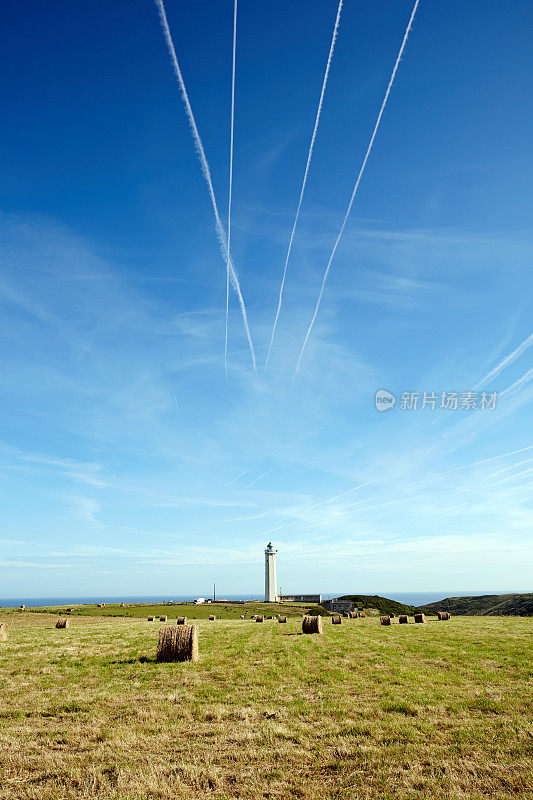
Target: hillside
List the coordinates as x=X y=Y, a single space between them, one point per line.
x=500 y=605
x=381 y=604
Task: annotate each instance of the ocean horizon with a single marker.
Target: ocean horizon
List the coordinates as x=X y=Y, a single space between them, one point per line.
x=409 y=598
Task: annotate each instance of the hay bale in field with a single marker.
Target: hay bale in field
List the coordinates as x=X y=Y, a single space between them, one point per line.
x=259 y=618
x=62 y=623
x=402 y=619
x=151 y=619
x=100 y=605
x=361 y=614
x=163 y=618
x=312 y=624
x=336 y=619
x=178 y=643
x=420 y=618
x=22 y=608
x=181 y=621
x=391 y=615
x=385 y=620
x=443 y=615
x=212 y=618
x=282 y=619
x=3 y=631
x=352 y=614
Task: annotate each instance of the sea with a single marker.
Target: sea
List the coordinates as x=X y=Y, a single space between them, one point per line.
x=409 y=598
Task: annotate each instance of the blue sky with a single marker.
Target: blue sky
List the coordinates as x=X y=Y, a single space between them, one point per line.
x=121 y=441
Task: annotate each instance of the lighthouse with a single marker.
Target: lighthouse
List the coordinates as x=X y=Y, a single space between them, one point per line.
x=271 y=581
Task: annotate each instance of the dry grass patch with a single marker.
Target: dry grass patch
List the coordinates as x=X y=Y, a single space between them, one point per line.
x=29 y=619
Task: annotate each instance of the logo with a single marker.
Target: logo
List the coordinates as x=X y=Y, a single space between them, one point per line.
x=384 y=400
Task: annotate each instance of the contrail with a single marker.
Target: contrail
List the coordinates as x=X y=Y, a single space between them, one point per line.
x=510 y=359
x=356 y=187
x=517 y=385
x=177 y=406
x=306 y=173
x=506 y=469
x=237 y=476
x=206 y=172
x=259 y=478
x=315 y=505
x=486 y=460
x=230 y=181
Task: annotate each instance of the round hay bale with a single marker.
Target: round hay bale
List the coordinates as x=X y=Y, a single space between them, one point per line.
x=391 y=615
x=385 y=620
x=178 y=643
x=151 y=619
x=22 y=608
x=443 y=615
x=100 y=605
x=212 y=618
x=336 y=619
x=259 y=618
x=163 y=618
x=62 y=623
x=312 y=624
x=345 y=614
x=3 y=631
x=361 y=614
x=352 y=614
x=282 y=619
x=420 y=618
x=402 y=619
x=181 y=621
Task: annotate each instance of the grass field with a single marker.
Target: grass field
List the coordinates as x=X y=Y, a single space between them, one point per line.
x=441 y=710
x=222 y=610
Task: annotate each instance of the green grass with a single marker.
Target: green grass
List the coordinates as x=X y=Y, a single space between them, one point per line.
x=173 y=610
x=441 y=710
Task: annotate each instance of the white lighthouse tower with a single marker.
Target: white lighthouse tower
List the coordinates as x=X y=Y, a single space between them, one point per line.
x=271 y=581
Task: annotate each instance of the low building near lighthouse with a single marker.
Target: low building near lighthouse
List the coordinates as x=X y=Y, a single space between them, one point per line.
x=300 y=598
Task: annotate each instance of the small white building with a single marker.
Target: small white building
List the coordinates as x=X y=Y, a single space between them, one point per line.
x=199 y=601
